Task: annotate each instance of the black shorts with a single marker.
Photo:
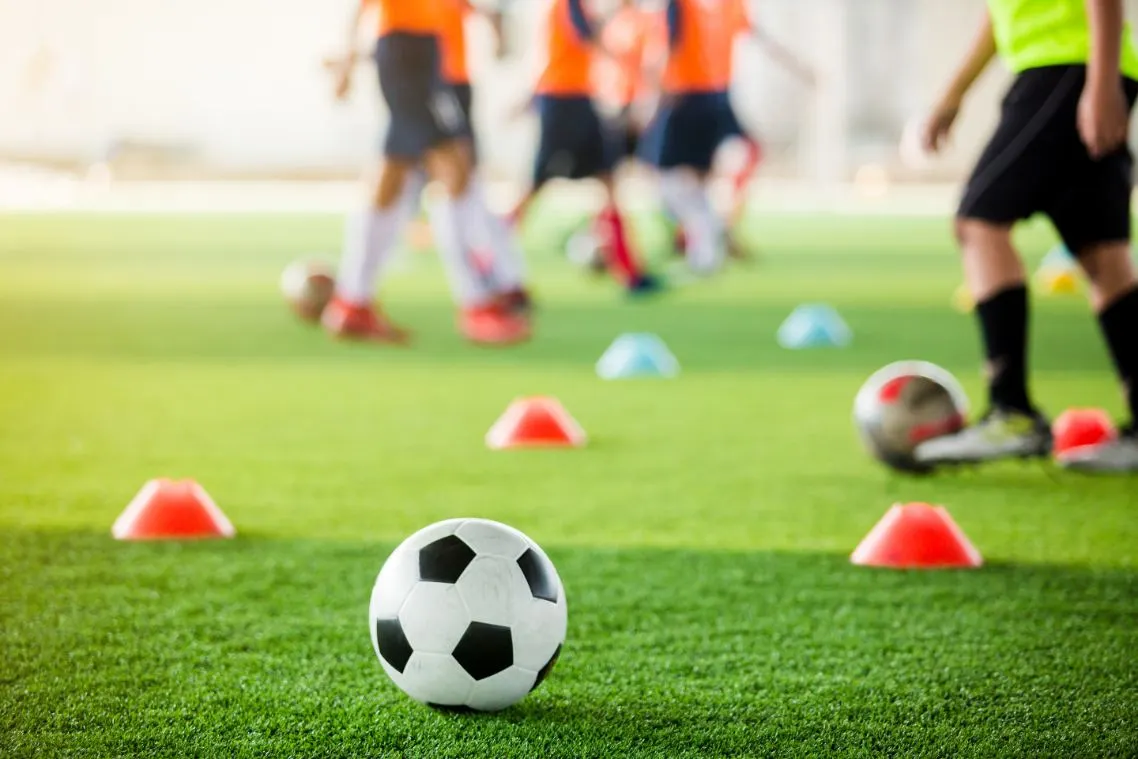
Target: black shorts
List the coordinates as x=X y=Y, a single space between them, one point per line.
x=425 y=112
x=464 y=95
x=1036 y=163
x=574 y=142
x=628 y=132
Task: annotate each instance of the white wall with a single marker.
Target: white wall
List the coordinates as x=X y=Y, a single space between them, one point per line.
x=240 y=81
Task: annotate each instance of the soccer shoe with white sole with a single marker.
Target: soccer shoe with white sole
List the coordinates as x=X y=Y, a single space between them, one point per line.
x=1115 y=457
x=1000 y=434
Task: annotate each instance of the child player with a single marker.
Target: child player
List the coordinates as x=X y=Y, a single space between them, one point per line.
x=1060 y=150
x=427 y=128
x=688 y=127
x=735 y=21
x=574 y=143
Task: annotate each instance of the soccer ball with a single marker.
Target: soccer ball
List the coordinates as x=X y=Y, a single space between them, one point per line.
x=905 y=404
x=468 y=614
x=307 y=286
x=585 y=250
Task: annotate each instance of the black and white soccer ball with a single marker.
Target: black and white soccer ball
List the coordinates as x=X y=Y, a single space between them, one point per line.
x=905 y=404
x=307 y=287
x=468 y=614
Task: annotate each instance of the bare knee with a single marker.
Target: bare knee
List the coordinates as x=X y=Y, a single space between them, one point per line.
x=451 y=165
x=1109 y=269
x=991 y=263
x=388 y=185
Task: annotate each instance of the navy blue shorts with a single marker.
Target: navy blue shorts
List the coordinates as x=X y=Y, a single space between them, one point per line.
x=425 y=112
x=729 y=125
x=574 y=143
x=687 y=130
x=465 y=97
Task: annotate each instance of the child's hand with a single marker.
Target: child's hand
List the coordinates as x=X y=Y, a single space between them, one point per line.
x=934 y=132
x=1103 y=118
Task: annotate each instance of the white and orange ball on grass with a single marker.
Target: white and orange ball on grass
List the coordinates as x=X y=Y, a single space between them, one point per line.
x=468 y=615
x=307 y=286
x=905 y=404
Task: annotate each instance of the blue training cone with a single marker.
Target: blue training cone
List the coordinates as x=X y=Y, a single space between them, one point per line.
x=1058 y=259
x=637 y=355
x=814 y=326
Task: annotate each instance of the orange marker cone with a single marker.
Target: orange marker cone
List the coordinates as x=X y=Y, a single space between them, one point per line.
x=535 y=423
x=1080 y=428
x=172 y=509
x=916 y=536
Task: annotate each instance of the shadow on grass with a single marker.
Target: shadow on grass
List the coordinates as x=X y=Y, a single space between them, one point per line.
x=261 y=647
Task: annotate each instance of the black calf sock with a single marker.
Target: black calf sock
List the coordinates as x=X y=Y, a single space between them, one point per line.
x=1003 y=325
x=1120 y=327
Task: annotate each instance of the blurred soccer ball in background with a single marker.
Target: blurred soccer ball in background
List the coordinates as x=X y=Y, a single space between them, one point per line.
x=905 y=404
x=307 y=286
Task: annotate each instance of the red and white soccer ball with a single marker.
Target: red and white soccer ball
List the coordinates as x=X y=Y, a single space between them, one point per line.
x=468 y=614
x=307 y=287
x=904 y=405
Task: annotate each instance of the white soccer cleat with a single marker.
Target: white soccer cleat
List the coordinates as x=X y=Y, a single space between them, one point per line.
x=1000 y=434
x=1114 y=457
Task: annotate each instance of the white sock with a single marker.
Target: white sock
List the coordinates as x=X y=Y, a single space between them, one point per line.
x=453 y=223
x=685 y=197
x=370 y=239
x=509 y=264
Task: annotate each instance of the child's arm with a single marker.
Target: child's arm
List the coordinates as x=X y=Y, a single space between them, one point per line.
x=343 y=67
x=980 y=54
x=1103 y=114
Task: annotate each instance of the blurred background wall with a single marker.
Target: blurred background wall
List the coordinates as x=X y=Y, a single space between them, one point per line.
x=236 y=87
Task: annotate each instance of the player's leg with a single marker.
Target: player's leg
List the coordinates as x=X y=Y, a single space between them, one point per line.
x=482 y=318
x=1022 y=166
x=1093 y=217
x=497 y=243
x=682 y=145
x=599 y=152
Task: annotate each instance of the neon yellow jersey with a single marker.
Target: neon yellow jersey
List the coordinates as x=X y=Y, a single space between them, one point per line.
x=1031 y=34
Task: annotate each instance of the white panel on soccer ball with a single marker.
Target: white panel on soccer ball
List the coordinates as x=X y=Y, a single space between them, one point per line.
x=493 y=588
x=492 y=539
x=431 y=533
x=434 y=617
x=434 y=679
x=502 y=690
x=399 y=575
x=539 y=628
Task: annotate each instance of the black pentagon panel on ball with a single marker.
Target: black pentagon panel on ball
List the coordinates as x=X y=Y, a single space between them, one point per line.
x=544 y=671
x=393 y=645
x=539 y=575
x=485 y=650
x=445 y=560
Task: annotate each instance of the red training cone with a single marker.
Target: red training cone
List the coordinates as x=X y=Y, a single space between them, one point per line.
x=535 y=423
x=172 y=509
x=916 y=536
x=1079 y=428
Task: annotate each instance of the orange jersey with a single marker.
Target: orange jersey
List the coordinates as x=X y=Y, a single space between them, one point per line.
x=452 y=40
x=620 y=81
x=695 y=61
x=408 y=16
x=569 y=65
x=732 y=20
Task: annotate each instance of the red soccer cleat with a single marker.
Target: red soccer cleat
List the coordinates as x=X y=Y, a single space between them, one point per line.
x=351 y=321
x=493 y=325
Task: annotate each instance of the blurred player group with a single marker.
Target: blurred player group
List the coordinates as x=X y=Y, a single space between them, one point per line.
x=646 y=84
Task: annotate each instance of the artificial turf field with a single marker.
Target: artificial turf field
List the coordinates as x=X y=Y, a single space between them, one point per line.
x=702 y=536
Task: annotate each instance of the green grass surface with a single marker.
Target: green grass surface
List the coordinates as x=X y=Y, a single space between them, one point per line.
x=702 y=536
